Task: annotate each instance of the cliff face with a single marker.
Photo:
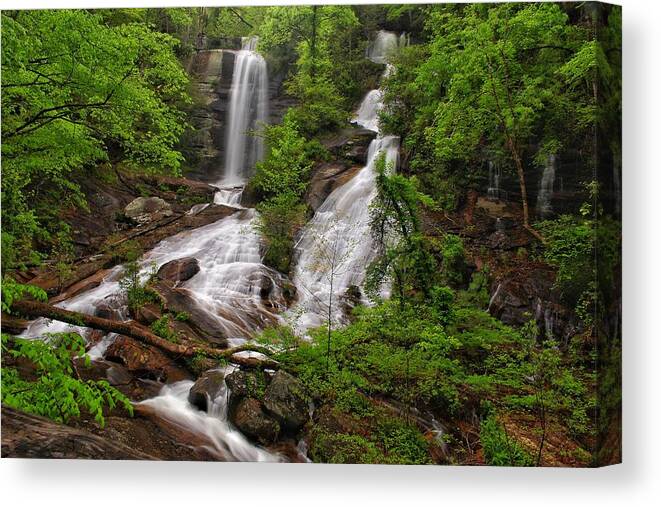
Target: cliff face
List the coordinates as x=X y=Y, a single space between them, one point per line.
x=203 y=145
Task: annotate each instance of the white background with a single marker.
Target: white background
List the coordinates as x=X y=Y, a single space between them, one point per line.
x=636 y=482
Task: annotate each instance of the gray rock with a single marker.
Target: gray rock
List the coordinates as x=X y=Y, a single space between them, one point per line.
x=286 y=400
x=179 y=270
x=206 y=388
x=251 y=420
x=147 y=209
x=244 y=384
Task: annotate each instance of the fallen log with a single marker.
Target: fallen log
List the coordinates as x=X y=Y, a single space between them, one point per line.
x=35 y=309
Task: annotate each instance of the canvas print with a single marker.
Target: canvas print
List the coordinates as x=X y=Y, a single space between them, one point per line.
x=370 y=234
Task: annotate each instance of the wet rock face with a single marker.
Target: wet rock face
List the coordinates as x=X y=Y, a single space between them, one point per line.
x=351 y=144
x=147 y=209
x=179 y=270
x=206 y=388
x=148 y=314
x=349 y=149
x=244 y=384
x=144 y=361
x=516 y=300
x=285 y=398
x=251 y=420
x=266 y=404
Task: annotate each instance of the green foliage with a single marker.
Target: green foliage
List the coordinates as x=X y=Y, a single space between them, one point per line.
x=182 y=317
x=287 y=165
x=136 y=290
x=584 y=278
x=404 y=256
x=329 y=70
x=162 y=327
x=487 y=80
x=280 y=219
x=281 y=179
x=14 y=291
x=499 y=448
x=453 y=259
x=75 y=89
x=54 y=389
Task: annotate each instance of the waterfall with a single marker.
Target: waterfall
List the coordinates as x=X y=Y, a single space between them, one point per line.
x=546 y=184
x=225 y=441
x=384 y=45
x=368 y=112
x=335 y=248
x=248 y=111
x=495 y=174
x=233 y=290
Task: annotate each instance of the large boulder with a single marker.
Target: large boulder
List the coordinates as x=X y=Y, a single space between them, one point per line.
x=244 y=384
x=286 y=400
x=148 y=313
x=147 y=209
x=179 y=270
x=206 y=389
x=326 y=177
x=144 y=361
x=251 y=420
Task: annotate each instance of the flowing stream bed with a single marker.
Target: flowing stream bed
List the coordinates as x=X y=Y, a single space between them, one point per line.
x=232 y=282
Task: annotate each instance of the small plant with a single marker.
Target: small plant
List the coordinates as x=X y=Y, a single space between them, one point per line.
x=13 y=291
x=499 y=448
x=137 y=292
x=182 y=317
x=161 y=327
x=57 y=393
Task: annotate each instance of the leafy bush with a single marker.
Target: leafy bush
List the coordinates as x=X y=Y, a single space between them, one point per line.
x=137 y=292
x=161 y=327
x=52 y=390
x=280 y=219
x=499 y=448
x=14 y=291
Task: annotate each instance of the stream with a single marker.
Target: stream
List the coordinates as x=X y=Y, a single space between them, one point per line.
x=231 y=284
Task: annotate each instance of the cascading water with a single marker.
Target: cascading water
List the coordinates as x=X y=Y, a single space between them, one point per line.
x=248 y=111
x=223 y=439
x=494 y=191
x=234 y=290
x=336 y=247
x=546 y=185
x=384 y=45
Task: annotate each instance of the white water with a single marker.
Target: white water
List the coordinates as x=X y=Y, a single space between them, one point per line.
x=368 y=112
x=231 y=275
x=233 y=288
x=494 y=191
x=385 y=45
x=224 y=440
x=546 y=184
x=248 y=111
x=336 y=247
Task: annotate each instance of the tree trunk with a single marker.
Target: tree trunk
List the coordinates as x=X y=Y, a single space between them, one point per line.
x=141 y=333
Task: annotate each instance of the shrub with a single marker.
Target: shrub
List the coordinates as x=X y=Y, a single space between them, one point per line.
x=54 y=392
x=499 y=449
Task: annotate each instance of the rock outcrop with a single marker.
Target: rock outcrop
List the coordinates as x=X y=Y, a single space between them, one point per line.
x=206 y=389
x=250 y=419
x=285 y=399
x=147 y=209
x=179 y=270
x=265 y=405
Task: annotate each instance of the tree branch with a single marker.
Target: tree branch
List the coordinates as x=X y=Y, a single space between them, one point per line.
x=141 y=333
